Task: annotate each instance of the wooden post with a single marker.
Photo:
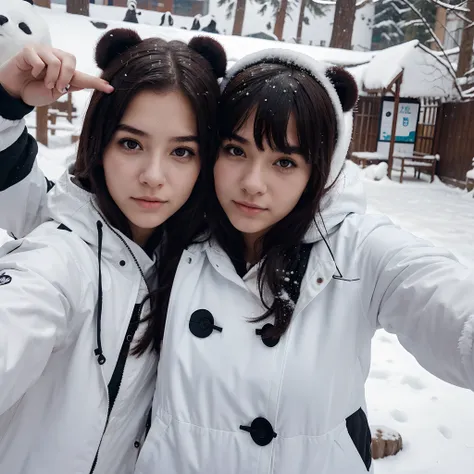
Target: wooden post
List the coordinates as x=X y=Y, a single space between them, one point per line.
x=42 y=125
x=396 y=103
x=43 y=3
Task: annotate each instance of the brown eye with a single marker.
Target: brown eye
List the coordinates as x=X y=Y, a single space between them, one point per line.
x=130 y=145
x=183 y=153
x=285 y=163
x=234 y=150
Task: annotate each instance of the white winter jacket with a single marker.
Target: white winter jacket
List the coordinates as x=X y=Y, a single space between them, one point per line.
x=226 y=402
x=54 y=397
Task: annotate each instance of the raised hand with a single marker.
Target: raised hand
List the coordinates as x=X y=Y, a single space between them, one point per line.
x=39 y=75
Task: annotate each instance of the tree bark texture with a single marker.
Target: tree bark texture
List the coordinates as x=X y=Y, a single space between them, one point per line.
x=78 y=7
x=239 y=17
x=465 y=50
x=300 y=21
x=280 y=19
x=343 y=26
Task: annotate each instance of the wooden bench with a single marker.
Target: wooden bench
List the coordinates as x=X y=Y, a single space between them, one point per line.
x=46 y=118
x=61 y=109
x=419 y=162
x=366 y=158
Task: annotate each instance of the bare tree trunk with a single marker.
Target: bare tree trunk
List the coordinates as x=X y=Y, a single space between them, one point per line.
x=78 y=7
x=280 y=19
x=465 y=50
x=239 y=17
x=343 y=25
x=43 y=3
x=440 y=27
x=300 y=21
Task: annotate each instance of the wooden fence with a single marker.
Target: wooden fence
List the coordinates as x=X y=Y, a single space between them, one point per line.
x=425 y=134
x=444 y=129
x=366 y=124
x=454 y=140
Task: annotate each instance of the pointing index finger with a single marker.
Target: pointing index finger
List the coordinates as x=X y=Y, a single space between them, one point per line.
x=81 y=80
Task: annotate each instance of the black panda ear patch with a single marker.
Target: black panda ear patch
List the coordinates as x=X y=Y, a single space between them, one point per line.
x=211 y=50
x=113 y=43
x=29 y=1
x=345 y=85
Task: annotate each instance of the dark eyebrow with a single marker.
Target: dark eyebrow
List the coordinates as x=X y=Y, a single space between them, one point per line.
x=290 y=150
x=128 y=128
x=239 y=139
x=189 y=138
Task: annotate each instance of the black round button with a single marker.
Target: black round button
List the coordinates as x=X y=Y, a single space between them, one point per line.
x=261 y=431
x=201 y=323
x=269 y=341
x=136 y=444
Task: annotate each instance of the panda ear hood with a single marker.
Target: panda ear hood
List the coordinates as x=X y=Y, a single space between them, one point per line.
x=339 y=84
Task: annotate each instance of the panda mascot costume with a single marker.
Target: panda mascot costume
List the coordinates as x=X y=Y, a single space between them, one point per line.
x=131 y=15
x=20 y=24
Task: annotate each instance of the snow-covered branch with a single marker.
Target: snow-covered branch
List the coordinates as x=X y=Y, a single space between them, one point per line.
x=400 y=11
x=388 y=23
x=433 y=35
x=359 y=3
x=459 y=7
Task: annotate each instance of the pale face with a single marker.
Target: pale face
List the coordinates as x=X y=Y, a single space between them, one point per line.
x=152 y=162
x=259 y=188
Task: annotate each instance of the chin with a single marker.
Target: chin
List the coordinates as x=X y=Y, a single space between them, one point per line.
x=148 y=224
x=247 y=227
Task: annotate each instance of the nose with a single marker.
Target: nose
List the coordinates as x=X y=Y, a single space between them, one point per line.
x=3 y=20
x=153 y=173
x=254 y=180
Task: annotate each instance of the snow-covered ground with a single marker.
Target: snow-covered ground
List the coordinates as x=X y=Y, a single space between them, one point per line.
x=436 y=420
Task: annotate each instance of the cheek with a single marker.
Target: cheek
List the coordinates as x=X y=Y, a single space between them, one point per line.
x=224 y=176
x=185 y=179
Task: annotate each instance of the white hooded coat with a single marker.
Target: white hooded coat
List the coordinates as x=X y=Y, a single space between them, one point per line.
x=54 y=399
x=227 y=402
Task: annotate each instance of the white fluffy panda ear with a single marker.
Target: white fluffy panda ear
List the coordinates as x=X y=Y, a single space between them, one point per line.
x=29 y=1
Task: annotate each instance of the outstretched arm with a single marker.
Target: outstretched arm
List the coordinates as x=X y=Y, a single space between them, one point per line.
x=37 y=305
x=422 y=294
x=36 y=76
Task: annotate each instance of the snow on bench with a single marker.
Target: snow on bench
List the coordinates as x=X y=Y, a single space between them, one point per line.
x=369 y=155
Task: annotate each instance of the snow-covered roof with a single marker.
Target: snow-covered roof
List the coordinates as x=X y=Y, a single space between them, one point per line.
x=425 y=74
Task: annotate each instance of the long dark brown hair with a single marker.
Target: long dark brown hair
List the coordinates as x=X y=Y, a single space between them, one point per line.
x=275 y=92
x=157 y=65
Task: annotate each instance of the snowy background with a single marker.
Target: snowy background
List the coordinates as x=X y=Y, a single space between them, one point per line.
x=436 y=420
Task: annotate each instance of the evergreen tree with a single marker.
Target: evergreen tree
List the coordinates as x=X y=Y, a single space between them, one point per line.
x=395 y=22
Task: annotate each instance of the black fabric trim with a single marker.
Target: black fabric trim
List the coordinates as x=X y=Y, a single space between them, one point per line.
x=359 y=431
x=12 y=108
x=17 y=160
x=298 y=266
x=49 y=184
x=116 y=379
x=64 y=227
x=14 y=250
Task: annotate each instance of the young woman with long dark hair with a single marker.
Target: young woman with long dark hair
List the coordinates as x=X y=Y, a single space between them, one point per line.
x=81 y=314
x=266 y=348
x=268 y=334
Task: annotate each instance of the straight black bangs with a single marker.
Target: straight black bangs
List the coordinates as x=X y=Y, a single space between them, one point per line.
x=275 y=93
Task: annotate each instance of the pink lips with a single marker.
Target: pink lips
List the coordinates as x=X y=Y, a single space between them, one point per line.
x=249 y=208
x=148 y=203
